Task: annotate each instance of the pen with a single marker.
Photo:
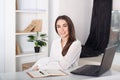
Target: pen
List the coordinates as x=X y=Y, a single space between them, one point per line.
x=41 y=72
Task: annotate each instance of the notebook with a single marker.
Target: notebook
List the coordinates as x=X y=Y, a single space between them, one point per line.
x=97 y=70
x=46 y=73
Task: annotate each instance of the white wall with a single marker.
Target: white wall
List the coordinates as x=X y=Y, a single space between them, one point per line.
x=53 y=13
x=80 y=12
x=2 y=37
x=9 y=25
x=116 y=4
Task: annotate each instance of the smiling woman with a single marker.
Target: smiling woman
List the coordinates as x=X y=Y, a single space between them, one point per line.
x=65 y=51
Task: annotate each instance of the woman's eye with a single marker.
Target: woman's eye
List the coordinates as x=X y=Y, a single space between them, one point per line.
x=58 y=26
x=64 y=25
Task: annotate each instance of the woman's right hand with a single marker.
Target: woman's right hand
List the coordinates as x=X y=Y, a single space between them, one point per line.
x=35 y=68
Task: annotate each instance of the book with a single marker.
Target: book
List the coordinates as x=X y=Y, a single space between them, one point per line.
x=18 y=50
x=38 y=26
x=46 y=73
x=34 y=26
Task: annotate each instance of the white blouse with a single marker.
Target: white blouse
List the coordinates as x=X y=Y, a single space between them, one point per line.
x=56 y=60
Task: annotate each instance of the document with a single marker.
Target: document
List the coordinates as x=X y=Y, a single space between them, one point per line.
x=46 y=73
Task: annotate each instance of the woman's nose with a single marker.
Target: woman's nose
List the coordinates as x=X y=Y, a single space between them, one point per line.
x=62 y=28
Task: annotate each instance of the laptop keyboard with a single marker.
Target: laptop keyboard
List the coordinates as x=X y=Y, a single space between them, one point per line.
x=87 y=69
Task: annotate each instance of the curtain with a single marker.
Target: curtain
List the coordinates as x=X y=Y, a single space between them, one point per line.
x=99 y=30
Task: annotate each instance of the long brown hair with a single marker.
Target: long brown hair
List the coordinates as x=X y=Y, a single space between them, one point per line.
x=71 y=32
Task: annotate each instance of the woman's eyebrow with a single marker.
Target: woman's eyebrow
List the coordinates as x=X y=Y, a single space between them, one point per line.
x=64 y=24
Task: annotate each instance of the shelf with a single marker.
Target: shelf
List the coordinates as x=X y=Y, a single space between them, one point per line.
x=20 y=33
x=29 y=54
x=31 y=11
x=28 y=14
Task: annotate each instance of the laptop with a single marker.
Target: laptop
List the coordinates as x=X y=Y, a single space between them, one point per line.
x=97 y=70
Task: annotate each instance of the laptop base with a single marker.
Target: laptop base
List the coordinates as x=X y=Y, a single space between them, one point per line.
x=88 y=70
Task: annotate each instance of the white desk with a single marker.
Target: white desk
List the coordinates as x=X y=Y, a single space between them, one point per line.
x=113 y=77
x=24 y=76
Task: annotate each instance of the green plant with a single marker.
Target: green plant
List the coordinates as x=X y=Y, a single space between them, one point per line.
x=39 y=39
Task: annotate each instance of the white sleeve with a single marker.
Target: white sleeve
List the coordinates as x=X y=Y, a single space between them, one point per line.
x=72 y=55
x=46 y=63
x=41 y=62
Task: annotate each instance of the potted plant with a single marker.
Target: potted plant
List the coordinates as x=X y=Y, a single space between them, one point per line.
x=39 y=40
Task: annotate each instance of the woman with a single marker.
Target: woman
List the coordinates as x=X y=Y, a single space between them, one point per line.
x=65 y=51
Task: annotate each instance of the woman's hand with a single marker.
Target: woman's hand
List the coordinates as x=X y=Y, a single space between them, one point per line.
x=35 y=68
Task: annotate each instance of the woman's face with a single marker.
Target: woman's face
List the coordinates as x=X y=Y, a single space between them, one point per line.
x=62 y=28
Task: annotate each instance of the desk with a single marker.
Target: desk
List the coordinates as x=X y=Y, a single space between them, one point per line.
x=113 y=77
x=24 y=76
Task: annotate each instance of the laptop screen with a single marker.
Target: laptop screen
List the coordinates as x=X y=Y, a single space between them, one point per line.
x=108 y=58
